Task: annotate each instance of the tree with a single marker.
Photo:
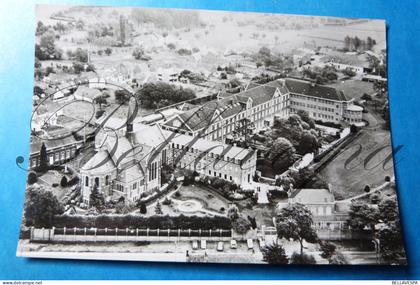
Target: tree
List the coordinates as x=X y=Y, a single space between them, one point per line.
x=234 y=83
x=81 y=55
x=366 y=97
x=41 y=28
x=241 y=225
x=274 y=254
x=122 y=96
x=100 y=100
x=295 y=222
x=142 y=206
x=108 y=51
x=96 y=199
x=63 y=182
x=306 y=118
x=233 y=212
x=391 y=242
x=362 y=216
x=158 y=208
x=46 y=49
x=282 y=154
x=40 y=208
x=308 y=143
x=32 y=178
x=286 y=182
x=138 y=52
x=349 y=72
x=43 y=159
x=388 y=210
x=157 y=95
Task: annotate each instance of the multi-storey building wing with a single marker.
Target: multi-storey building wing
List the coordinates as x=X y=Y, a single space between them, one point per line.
x=212 y=158
x=261 y=104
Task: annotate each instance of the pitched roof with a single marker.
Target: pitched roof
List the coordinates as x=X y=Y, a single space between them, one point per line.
x=259 y=94
x=204 y=145
x=87 y=92
x=314 y=90
x=96 y=165
x=312 y=196
x=36 y=143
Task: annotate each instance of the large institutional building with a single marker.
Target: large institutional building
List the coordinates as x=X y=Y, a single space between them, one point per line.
x=128 y=161
x=261 y=104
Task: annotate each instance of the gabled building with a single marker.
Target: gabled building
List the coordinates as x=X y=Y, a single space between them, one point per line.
x=86 y=94
x=127 y=162
x=261 y=104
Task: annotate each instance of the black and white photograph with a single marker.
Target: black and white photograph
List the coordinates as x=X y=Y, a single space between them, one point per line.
x=209 y=136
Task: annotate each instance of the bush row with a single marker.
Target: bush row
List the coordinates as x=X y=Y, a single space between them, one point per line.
x=136 y=221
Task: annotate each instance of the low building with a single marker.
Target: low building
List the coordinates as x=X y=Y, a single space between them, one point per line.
x=59 y=151
x=86 y=94
x=322 y=204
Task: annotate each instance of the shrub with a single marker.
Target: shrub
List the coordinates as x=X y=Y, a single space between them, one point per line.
x=253 y=222
x=274 y=254
x=233 y=212
x=184 y=51
x=55 y=185
x=167 y=201
x=32 y=178
x=278 y=194
x=241 y=225
x=177 y=194
x=338 y=259
x=354 y=129
x=367 y=189
x=63 y=182
x=375 y=198
x=171 y=46
x=327 y=249
x=137 y=221
x=73 y=181
x=99 y=113
x=143 y=208
x=387 y=178
x=303 y=258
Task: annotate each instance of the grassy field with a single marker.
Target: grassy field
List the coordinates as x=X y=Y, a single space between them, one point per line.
x=354 y=89
x=349 y=181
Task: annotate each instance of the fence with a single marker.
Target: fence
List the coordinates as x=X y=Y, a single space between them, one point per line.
x=127 y=235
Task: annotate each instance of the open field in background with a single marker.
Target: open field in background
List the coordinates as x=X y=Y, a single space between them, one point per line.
x=354 y=89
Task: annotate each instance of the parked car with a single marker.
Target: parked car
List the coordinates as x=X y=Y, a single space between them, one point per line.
x=250 y=243
x=262 y=243
x=233 y=244
x=203 y=244
x=195 y=245
x=220 y=246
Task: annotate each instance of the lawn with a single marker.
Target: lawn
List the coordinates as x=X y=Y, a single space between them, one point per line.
x=363 y=170
x=211 y=201
x=49 y=178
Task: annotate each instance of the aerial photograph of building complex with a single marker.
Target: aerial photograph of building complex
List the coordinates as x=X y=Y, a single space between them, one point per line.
x=210 y=136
